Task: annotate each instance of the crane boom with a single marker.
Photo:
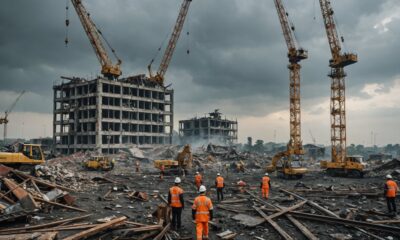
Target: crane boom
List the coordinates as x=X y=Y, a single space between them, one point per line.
x=338 y=99
x=7 y=112
x=169 y=51
x=295 y=55
x=107 y=68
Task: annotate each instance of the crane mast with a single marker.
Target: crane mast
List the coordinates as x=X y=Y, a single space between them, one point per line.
x=295 y=55
x=169 y=51
x=337 y=103
x=7 y=112
x=108 y=70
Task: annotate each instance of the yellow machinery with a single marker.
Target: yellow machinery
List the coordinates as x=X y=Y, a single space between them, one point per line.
x=289 y=162
x=23 y=154
x=340 y=162
x=99 y=163
x=169 y=51
x=108 y=69
x=183 y=162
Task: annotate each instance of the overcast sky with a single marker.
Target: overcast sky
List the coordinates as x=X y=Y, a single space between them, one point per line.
x=237 y=61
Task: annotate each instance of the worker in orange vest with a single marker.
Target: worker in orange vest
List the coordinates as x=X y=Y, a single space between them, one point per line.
x=176 y=202
x=265 y=186
x=198 y=180
x=391 y=189
x=202 y=213
x=219 y=184
x=162 y=169
x=241 y=185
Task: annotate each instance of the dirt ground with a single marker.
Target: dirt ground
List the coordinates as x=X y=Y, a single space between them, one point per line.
x=90 y=198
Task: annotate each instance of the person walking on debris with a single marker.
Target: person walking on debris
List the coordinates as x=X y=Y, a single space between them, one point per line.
x=219 y=184
x=198 y=180
x=175 y=200
x=390 y=192
x=265 y=186
x=137 y=164
x=162 y=169
x=241 y=185
x=202 y=213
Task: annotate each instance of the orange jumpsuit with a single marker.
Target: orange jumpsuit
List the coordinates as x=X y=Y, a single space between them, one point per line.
x=265 y=187
x=202 y=212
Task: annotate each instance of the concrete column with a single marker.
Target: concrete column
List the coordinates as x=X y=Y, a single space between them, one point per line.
x=99 y=106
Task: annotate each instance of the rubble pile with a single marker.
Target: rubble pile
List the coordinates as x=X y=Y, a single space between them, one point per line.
x=392 y=167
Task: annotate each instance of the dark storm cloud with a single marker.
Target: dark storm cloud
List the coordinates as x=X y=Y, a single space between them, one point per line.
x=237 y=51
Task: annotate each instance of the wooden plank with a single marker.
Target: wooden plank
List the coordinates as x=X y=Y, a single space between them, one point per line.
x=59 y=205
x=273 y=224
x=97 y=229
x=285 y=210
x=44 y=183
x=12 y=188
x=163 y=232
x=25 y=236
x=386 y=221
x=302 y=228
x=145 y=229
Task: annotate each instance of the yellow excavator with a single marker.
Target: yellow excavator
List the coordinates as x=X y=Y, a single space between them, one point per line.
x=182 y=164
x=20 y=154
x=288 y=164
x=102 y=163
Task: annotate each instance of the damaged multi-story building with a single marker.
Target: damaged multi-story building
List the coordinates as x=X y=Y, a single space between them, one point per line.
x=108 y=115
x=211 y=128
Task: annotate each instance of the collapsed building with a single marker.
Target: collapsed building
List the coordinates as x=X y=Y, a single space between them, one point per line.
x=108 y=115
x=208 y=129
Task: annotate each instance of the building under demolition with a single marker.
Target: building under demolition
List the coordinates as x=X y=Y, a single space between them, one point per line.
x=208 y=129
x=108 y=115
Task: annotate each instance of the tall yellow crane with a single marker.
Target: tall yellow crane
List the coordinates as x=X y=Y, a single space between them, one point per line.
x=108 y=69
x=340 y=163
x=169 y=51
x=289 y=161
x=4 y=120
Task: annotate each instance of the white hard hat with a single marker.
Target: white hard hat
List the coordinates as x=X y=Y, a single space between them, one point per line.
x=266 y=174
x=389 y=176
x=177 y=180
x=197 y=172
x=218 y=174
x=202 y=189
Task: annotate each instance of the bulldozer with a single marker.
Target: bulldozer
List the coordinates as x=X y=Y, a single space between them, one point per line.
x=22 y=155
x=181 y=165
x=102 y=163
x=288 y=164
x=353 y=166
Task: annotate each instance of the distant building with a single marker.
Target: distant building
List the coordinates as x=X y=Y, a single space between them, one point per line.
x=380 y=156
x=212 y=128
x=46 y=143
x=314 y=151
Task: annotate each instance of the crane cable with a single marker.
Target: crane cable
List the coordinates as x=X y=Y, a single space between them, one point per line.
x=159 y=49
x=66 y=22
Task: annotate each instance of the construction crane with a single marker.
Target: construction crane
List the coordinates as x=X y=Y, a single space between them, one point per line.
x=290 y=161
x=312 y=137
x=5 y=120
x=108 y=69
x=340 y=163
x=169 y=51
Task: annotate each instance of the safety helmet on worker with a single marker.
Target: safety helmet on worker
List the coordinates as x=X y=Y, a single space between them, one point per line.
x=177 y=180
x=197 y=173
x=266 y=174
x=389 y=176
x=218 y=174
x=202 y=189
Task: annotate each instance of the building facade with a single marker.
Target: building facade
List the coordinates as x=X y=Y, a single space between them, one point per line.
x=108 y=115
x=212 y=128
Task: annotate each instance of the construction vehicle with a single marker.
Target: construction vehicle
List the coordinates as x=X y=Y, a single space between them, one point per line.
x=340 y=163
x=289 y=162
x=181 y=165
x=20 y=154
x=4 y=120
x=108 y=69
x=169 y=51
x=102 y=163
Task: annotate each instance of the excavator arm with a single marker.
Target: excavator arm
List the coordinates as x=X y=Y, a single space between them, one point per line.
x=162 y=69
x=108 y=69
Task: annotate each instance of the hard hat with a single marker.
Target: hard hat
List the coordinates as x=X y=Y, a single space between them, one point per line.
x=197 y=172
x=266 y=174
x=389 y=176
x=218 y=174
x=202 y=189
x=177 y=180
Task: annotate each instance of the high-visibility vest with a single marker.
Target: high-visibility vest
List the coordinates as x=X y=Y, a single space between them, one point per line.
x=175 y=191
x=202 y=205
x=265 y=182
x=391 y=188
x=198 y=178
x=220 y=182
